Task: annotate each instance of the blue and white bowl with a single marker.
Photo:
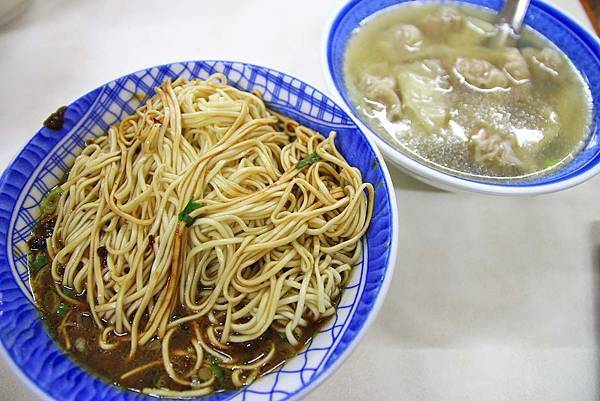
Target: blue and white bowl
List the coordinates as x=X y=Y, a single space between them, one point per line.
x=581 y=46
x=39 y=166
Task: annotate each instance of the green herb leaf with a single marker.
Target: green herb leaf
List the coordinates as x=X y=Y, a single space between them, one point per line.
x=190 y=350
x=69 y=292
x=38 y=263
x=550 y=162
x=50 y=201
x=310 y=159
x=217 y=371
x=62 y=309
x=184 y=215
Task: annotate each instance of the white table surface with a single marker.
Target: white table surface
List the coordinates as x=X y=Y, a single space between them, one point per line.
x=492 y=299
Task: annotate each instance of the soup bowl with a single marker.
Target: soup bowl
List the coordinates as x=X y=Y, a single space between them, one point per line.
x=581 y=46
x=46 y=369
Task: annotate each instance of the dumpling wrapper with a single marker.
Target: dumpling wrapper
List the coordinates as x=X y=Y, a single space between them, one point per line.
x=498 y=142
x=492 y=147
x=546 y=63
x=443 y=21
x=474 y=31
x=378 y=86
x=401 y=43
x=515 y=65
x=481 y=74
x=424 y=88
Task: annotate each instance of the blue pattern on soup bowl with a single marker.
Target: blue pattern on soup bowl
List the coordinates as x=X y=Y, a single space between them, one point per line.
x=42 y=162
x=581 y=46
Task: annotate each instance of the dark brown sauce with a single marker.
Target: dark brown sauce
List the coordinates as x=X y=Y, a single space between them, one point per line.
x=56 y=120
x=73 y=328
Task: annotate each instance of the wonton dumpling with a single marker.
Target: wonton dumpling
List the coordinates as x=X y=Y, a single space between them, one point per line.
x=380 y=89
x=406 y=37
x=480 y=73
x=546 y=62
x=474 y=32
x=515 y=65
x=550 y=58
x=400 y=42
x=524 y=131
x=443 y=21
x=494 y=147
x=424 y=87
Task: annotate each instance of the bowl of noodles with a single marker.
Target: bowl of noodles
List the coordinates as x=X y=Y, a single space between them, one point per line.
x=207 y=230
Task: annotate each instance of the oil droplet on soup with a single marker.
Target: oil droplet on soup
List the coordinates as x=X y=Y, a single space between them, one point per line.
x=426 y=79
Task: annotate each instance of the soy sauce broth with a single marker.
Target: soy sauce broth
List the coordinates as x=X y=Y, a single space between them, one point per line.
x=423 y=77
x=72 y=327
x=81 y=343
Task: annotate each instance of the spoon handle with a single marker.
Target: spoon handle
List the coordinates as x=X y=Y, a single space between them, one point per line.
x=509 y=21
x=513 y=14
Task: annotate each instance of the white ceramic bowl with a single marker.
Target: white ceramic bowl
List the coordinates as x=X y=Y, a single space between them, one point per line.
x=581 y=46
x=23 y=339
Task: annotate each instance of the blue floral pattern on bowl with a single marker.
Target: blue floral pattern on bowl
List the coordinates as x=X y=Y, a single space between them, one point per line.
x=580 y=46
x=42 y=162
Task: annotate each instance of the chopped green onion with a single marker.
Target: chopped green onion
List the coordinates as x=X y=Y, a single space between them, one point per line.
x=50 y=200
x=160 y=382
x=62 y=309
x=38 y=263
x=550 y=162
x=189 y=208
x=310 y=159
x=217 y=371
x=190 y=350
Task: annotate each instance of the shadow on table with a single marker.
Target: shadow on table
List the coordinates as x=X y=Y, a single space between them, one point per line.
x=50 y=10
x=13 y=16
x=406 y=182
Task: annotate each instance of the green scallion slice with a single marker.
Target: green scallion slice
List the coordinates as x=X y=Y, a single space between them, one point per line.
x=310 y=159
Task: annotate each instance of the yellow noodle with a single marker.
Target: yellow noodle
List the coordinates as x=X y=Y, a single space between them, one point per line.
x=273 y=242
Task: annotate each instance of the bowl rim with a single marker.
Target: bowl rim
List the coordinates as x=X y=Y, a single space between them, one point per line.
x=385 y=282
x=429 y=174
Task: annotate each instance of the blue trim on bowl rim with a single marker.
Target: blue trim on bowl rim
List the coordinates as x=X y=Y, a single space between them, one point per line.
x=539 y=185
x=7 y=212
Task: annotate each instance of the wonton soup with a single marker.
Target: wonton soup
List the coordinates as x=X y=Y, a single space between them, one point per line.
x=427 y=78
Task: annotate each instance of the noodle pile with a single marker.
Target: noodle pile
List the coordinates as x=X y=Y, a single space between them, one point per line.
x=206 y=209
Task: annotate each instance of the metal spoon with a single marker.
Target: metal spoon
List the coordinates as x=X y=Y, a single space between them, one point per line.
x=509 y=22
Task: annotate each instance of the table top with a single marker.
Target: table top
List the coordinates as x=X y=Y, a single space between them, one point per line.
x=492 y=298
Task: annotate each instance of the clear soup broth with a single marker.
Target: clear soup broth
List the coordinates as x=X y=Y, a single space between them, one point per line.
x=436 y=83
